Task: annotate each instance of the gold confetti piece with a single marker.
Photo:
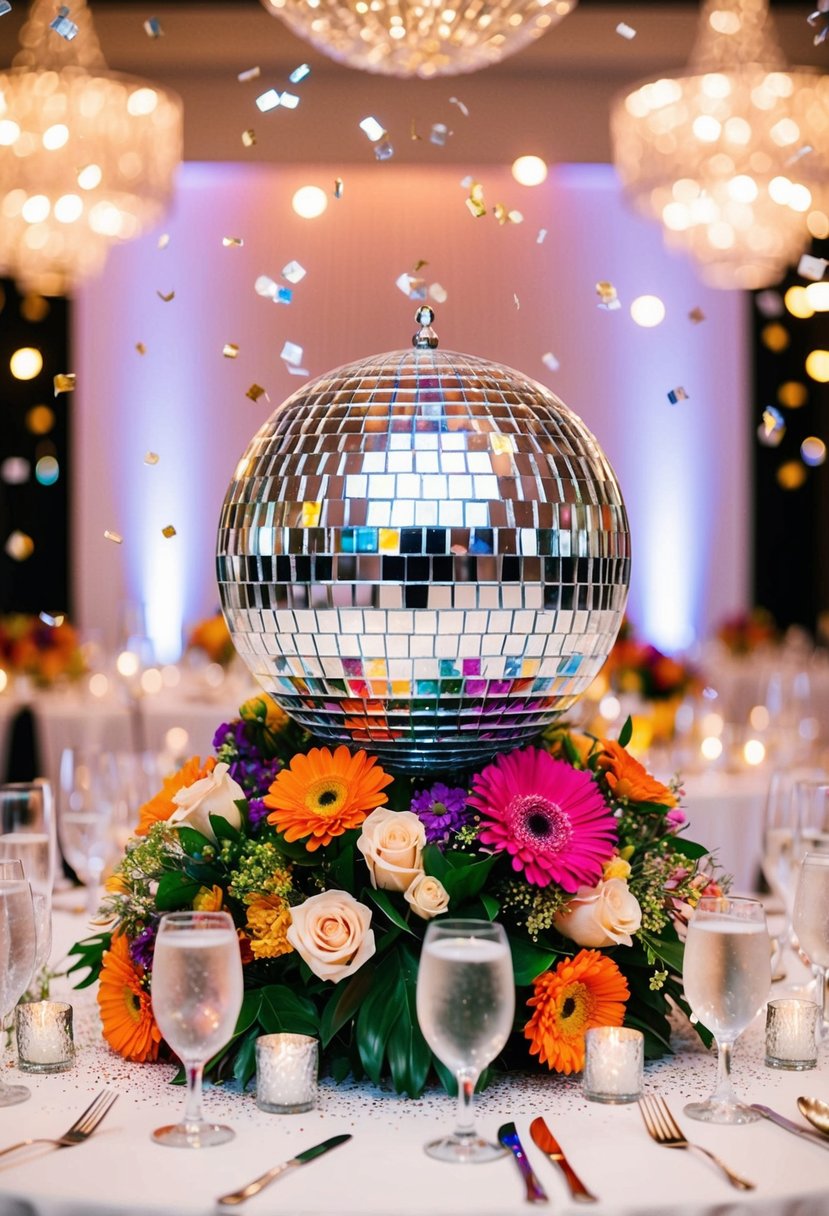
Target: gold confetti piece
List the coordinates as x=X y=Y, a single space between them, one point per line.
x=171 y=295
x=19 y=546
x=152 y=28
x=500 y=213
x=168 y=531
x=255 y=392
x=457 y=102
x=477 y=209
x=248 y=74
x=115 y=537
x=232 y=241
x=419 y=264
x=249 y=137
x=677 y=394
x=696 y=315
x=773 y=421
x=64 y=382
x=475 y=201
x=813 y=268
x=151 y=458
x=338 y=187
x=607 y=296
x=141 y=348
x=52 y=619
x=550 y=361
x=413 y=131
x=230 y=350
x=625 y=31
x=164 y=240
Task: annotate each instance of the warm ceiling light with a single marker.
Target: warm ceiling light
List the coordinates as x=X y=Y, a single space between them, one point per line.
x=791 y=475
x=728 y=153
x=818 y=296
x=410 y=38
x=775 y=337
x=817 y=365
x=793 y=394
x=26 y=363
x=798 y=303
x=87 y=156
x=647 y=311
x=309 y=202
x=529 y=170
x=813 y=451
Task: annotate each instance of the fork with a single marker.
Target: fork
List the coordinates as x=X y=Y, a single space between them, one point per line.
x=81 y=1129
x=663 y=1128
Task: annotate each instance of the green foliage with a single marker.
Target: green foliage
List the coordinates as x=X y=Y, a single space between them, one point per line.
x=89 y=954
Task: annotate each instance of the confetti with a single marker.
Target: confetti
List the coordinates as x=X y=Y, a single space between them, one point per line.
x=291 y=353
x=151 y=458
x=300 y=73
x=372 y=129
x=806 y=150
x=267 y=101
x=152 y=28
x=62 y=24
x=265 y=286
x=411 y=286
x=168 y=531
x=52 y=619
x=439 y=134
x=696 y=315
x=550 y=361
x=141 y=348
x=625 y=31
x=249 y=137
x=455 y=101
x=230 y=350
x=293 y=272
x=677 y=394
x=383 y=150
x=773 y=421
x=338 y=187
x=164 y=240
x=64 y=382
x=288 y=101
x=255 y=392
x=608 y=298
x=770 y=303
x=298 y=371
x=438 y=293
x=115 y=537
x=171 y=295
x=19 y=546
x=232 y=241
x=413 y=130
x=810 y=267
x=248 y=74
x=516 y=301
x=5 y=7
x=542 y=236
x=283 y=295
x=770 y=439
x=475 y=201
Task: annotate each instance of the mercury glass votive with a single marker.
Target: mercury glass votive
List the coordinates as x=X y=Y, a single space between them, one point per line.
x=791 y=1038
x=44 y=1036
x=613 y=1064
x=286 y=1073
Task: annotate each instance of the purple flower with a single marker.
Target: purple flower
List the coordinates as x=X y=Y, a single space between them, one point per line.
x=143 y=946
x=441 y=810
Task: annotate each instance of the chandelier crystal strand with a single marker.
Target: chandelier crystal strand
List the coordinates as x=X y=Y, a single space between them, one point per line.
x=419 y=37
x=732 y=154
x=87 y=156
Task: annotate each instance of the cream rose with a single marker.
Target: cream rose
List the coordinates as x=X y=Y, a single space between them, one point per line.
x=215 y=794
x=605 y=915
x=427 y=896
x=392 y=843
x=330 y=932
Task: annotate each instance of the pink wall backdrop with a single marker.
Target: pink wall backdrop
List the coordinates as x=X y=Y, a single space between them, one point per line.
x=683 y=468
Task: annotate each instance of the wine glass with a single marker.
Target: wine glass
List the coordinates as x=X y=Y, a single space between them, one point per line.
x=811 y=798
x=811 y=920
x=196 y=991
x=726 y=974
x=32 y=851
x=17 y=954
x=29 y=807
x=465 y=1007
x=781 y=837
x=91 y=819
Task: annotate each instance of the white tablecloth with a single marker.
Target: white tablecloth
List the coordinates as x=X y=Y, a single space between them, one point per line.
x=725 y=813
x=383 y=1171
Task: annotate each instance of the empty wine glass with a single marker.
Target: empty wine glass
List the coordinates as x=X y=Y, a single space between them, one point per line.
x=465 y=1007
x=196 y=997
x=17 y=954
x=726 y=974
x=811 y=921
x=92 y=817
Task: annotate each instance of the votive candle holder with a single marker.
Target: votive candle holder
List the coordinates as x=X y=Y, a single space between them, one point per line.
x=613 y=1064
x=791 y=1034
x=44 y=1036
x=286 y=1073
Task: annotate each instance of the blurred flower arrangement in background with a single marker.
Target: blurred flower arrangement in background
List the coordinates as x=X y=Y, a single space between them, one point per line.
x=745 y=632
x=43 y=649
x=212 y=637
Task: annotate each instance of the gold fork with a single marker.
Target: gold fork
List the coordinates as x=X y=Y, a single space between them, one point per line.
x=81 y=1129
x=663 y=1128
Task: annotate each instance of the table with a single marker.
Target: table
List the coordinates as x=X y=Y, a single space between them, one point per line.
x=725 y=813
x=382 y=1171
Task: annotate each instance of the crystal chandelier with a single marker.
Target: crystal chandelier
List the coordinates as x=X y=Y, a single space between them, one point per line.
x=419 y=37
x=87 y=156
x=732 y=154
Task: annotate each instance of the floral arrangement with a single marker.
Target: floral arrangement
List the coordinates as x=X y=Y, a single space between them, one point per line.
x=331 y=869
x=634 y=666
x=746 y=632
x=45 y=650
x=212 y=637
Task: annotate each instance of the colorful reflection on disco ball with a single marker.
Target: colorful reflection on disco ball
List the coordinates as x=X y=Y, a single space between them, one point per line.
x=424 y=554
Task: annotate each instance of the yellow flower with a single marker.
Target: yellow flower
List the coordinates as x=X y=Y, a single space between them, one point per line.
x=209 y=899
x=269 y=919
x=275 y=717
x=617 y=867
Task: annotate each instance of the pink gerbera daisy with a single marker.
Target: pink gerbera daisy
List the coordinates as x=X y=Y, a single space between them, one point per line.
x=549 y=817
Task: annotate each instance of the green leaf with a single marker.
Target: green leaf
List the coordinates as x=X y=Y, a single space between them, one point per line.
x=463 y=883
x=223 y=830
x=435 y=862
x=657 y=1041
x=626 y=732
x=528 y=961
x=491 y=904
x=283 y=1010
x=689 y=848
x=193 y=842
x=176 y=890
x=378 y=1013
x=669 y=952
x=384 y=903
x=344 y=1003
x=244 y=1062
x=90 y=953
x=408 y=1052
x=341 y=871
x=295 y=851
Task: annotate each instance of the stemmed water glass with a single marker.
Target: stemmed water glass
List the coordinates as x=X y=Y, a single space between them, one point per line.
x=91 y=817
x=17 y=953
x=465 y=1007
x=726 y=975
x=811 y=921
x=196 y=991
x=32 y=851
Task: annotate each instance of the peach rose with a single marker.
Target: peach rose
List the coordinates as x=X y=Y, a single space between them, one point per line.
x=215 y=794
x=330 y=932
x=428 y=896
x=604 y=915
x=392 y=843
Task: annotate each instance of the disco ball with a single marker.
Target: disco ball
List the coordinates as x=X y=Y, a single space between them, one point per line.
x=424 y=554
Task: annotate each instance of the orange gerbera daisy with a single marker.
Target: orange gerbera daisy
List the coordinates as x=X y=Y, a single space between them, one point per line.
x=161 y=806
x=323 y=794
x=126 y=1013
x=630 y=781
x=582 y=992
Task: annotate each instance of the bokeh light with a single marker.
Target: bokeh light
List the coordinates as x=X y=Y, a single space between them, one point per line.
x=775 y=337
x=309 y=202
x=647 y=311
x=818 y=296
x=793 y=394
x=817 y=365
x=529 y=170
x=813 y=451
x=40 y=419
x=26 y=363
x=47 y=470
x=791 y=475
x=797 y=302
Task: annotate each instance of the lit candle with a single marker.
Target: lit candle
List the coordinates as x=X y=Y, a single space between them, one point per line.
x=613 y=1065
x=286 y=1073
x=790 y=1034
x=44 y=1036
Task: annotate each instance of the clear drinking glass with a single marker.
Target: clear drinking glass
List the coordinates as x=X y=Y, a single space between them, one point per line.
x=811 y=922
x=17 y=954
x=811 y=799
x=196 y=996
x=726 y=975
x=92 y=817
x=781 y=837
x=465 y=1007
x=32 y=850
x=29 y=807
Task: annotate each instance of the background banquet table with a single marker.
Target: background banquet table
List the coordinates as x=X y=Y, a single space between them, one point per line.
x=383 y=1170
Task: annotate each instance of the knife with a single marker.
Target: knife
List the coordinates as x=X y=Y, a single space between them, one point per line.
x=508 y=1136
x=259 y=1184
x=548 y=1144
x=814 y=1136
